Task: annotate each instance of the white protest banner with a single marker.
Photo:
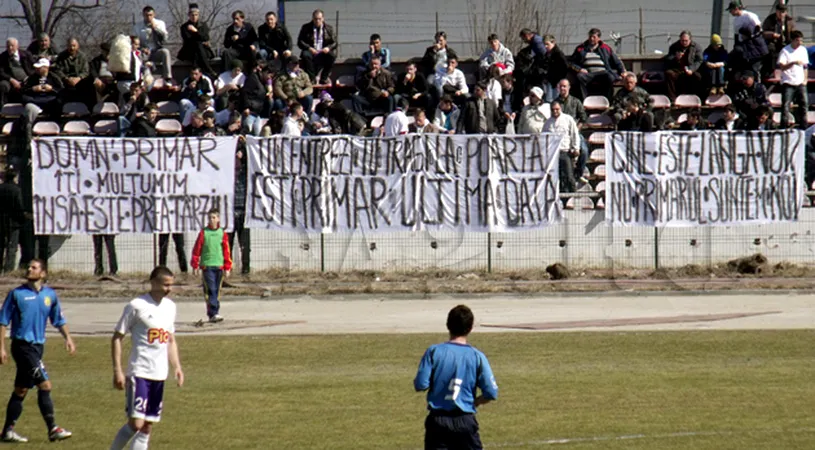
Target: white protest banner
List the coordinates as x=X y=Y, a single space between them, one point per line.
x=684 y=179
x=130 y=185
x=404 y=183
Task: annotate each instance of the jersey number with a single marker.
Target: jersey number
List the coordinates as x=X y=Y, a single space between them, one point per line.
x=454 y=387
x=141 y=404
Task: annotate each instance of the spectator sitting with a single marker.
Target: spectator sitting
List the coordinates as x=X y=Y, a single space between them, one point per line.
x=293 y=84
x=533 y=115
x=777 y=29
x=596 y=64
x=239 y=41
x=530 y=60
x=41 y=48
x=254 y=102
x=16 y=65
x=274 y=40
x=193 y=129
x=452 y=82
x=731 y=120
x=447 y=115
x=564 y=126
x=763 y=120
x=152 y=33
x=436 y=56
x=635 y=118
x=555 y=67
x=233 y=125
x=509 y=104
x=43 y=88
x=694 y=122
x=396 y=124
x=480 y=115
x=145 y=126
x=103 y=82
x=319 y=47
x=375 y=49
x=713 y=68
x=196 y=47
x=630 y=90
x=375 y=91
x=341 y=119
x=204 y=104
x=681 y=64
x=223 y=117
x=228 y=82
x=495 y=54
x=131 y=104
x=209 y=129
x=72 y=68
x=411 y=87
x=291 y=126
x=196 y=86
x=421 y=124
x=268 y=79
x=749 y=95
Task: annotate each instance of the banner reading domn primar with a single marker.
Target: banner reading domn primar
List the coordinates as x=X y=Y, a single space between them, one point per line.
x=131 y=185
x=405 y=183
x=703 y=178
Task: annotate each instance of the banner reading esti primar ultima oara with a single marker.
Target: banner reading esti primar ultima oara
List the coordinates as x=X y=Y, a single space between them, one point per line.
x=404 y=183
x=131 y=185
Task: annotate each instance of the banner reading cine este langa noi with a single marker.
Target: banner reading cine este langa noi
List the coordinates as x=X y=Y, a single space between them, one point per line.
x=405 y=183
x=685 y=179
x=131 y=185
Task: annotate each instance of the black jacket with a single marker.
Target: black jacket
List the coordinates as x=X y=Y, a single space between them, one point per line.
x=642 y=121
x=277 y=38
x=428 y=64
x=246 y=37
x=305 y=39
x=11 y=205
x=721 y=124
x=141 y=127
x=410 y=88
x=555 y=66
x=26 y=60
x=253 y=93
x=694 y=54
x=192 y=40
x=468 y=120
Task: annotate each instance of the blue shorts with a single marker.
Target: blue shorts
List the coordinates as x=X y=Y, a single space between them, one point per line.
x=451 y=430
x=144 y=399
x=30 y=369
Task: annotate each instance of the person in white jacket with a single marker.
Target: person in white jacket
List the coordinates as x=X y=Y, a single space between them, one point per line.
x=446 y=116
x=496 y=53
x=564 y=126
x=533 y=115
x=152 y=33
x=451 y=80
x=291 y=126
x=396 y=124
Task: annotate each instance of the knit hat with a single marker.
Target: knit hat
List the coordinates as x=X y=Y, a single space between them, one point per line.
x=326 y=97
x=537 y=92
x=715 y=40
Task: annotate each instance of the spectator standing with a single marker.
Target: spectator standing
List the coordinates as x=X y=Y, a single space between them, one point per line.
x=211 y=255
x=72 y=68
x=793 y=61
x=12 y=218
x=750 y=48
x=555 y=67
x=16 y=65
x=239 y=230
x=777 y=29
x=564 y=126
x=42 y=48
x=376 y=91
x=240 y=41
x=480 y=115
x=495 y=91
x=375 y=49
x=436 y=56
x=496 y=53
x=195 y=38
x=681 y=65
x=530 y=60
x=274 y=40
x=596 y=64
x=713 y=68
x=152 y=34
x=110 y=244
x=294 y=85
x=319 y=47
x=573 y=107
x=533 y=115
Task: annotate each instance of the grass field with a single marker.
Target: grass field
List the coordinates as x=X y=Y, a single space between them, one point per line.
x=728 y=390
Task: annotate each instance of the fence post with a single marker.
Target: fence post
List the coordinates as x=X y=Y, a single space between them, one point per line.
x=322 y=251
x=337 y=27
x=537 y=21
x=656 y=248
x=642 y=34
x=489 y=252
x=437 y=21
x=155 y=250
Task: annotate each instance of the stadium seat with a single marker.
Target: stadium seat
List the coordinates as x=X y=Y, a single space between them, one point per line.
x=598 y=155
x=774 y=79
x=682 y=118
x=688 y=101
x=775 y=100
x=106 y=109
x=12 y=109
x=168 y=126
x=597 y=138
x=168 y=108
x=718 y=101
x=601 y=187
x=600 y=171
x=601 y=204
x=790 y=117
x=77 y=128
x=7 y=128
x=105 y=127
x=810 y=117
x=596 y=103
x=75 y=109
x=46 y=128
x=584 y=203
x=377 y=122
x=660 y=102
x=599 y=121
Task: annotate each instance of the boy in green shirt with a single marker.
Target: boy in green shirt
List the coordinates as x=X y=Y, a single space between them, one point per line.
x=211 y=255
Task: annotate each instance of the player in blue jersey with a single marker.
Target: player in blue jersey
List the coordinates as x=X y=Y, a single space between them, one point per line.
x=450 y=373
x=28 y=309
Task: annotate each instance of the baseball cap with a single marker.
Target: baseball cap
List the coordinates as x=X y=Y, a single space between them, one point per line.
x=736 y=4
x=42 y=62
x=537 y=92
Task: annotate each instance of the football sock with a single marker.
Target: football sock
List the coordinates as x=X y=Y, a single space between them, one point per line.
x=140 y=441
x=122 y=437
x=13 y=411
x=46 y=408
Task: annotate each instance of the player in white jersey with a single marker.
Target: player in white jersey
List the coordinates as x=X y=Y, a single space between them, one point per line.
x=150 y=320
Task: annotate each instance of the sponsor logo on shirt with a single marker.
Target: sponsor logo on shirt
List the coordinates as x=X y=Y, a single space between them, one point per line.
x=47 y=301
x=158 y=334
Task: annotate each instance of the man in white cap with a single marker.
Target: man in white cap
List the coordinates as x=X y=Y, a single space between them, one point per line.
x=43 y=88
x=533 y=115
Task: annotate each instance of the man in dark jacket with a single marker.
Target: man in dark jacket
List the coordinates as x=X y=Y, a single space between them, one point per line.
x=195 y=38
x=16 y=65
x=681 y=67
x=274 y=40
x=376 y=90
x=42 y=48
x=596 y=64
x=43 y=87
x=319 y=47
x=555 y=67
x=435 y=56
x=480 y=115
x=749 y=95
x=73 y=70
x=145 y=126
x=240 y=41
x=104 y=84
x=636 y=118
x=776 y=29
x=411 y=87
x=12 y=217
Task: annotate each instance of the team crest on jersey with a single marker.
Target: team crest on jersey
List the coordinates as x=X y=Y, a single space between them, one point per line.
x=47 y=301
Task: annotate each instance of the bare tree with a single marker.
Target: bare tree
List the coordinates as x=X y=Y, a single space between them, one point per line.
x=47 y=18
x=216 y=13
x=115 y=14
